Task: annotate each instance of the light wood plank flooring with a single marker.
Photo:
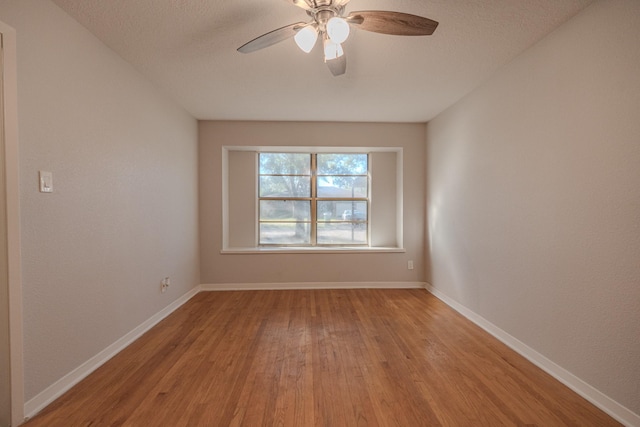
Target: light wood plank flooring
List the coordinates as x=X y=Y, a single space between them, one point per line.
x=318 y=358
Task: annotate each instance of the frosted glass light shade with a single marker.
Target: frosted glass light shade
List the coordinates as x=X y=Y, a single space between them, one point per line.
x=338 y=30
x=332 y=50
x=306 y=38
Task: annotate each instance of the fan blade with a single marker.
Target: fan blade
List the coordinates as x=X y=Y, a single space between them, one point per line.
x=338 y=66
x=304 y=4
x=272 y=37
x=394 y=23
x=339 y=3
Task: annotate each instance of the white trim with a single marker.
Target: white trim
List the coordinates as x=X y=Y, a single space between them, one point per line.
x=596 y=397
x=36 y=404
x=400 y=198
x=309 y=285
x=310 y=250
x=310 y=148
x=12 y=171
x=225 y=197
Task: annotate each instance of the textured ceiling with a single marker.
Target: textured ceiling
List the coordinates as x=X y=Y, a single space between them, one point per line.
x=188 y=48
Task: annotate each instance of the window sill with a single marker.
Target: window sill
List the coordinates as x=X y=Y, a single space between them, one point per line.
x=311 y=250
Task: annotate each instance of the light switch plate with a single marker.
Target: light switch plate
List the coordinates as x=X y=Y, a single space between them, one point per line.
x=46 y=182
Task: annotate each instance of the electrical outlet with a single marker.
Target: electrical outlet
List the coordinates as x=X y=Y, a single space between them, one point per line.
x=409 y=265
x=165 y=284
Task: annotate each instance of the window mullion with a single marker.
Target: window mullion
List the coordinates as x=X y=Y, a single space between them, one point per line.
x=314 y=204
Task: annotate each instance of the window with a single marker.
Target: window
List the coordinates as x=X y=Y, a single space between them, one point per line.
x=313 y=199
x=338 y=199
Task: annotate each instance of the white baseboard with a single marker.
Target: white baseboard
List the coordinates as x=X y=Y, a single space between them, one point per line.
x=51 y=393
x=310 y=285
x=597 y=398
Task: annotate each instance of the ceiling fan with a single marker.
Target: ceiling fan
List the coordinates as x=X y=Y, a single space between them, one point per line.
x=331 y=25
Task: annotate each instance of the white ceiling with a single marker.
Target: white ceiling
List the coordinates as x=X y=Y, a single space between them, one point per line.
x=188 y=48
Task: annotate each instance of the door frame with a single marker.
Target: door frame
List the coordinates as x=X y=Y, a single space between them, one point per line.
x=12 y=171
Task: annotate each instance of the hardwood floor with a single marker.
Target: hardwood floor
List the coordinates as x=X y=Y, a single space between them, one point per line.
x=318 y=358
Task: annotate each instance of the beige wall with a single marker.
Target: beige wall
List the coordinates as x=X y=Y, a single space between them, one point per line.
x=123 y=214
x=534 y=199
x=217 y=268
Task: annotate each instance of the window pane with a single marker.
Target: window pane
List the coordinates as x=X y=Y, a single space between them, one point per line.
x=342 y=164
x=341 y=210
x=285 y=164
x=285 y=186
x=285 y=210
x=342 y=233
x=285 y=233
x=329 y=211
x=346 y=211
x=342 y=186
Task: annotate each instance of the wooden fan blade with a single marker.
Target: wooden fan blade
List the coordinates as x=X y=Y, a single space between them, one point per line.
x=394 y=23
x=272 y=37
x=338 y=66
x=304 y=4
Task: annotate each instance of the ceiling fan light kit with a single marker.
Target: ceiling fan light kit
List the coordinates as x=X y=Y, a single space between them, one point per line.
x=332 y=50
x=306 y=38
x=330 y=23
x=337 y=30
